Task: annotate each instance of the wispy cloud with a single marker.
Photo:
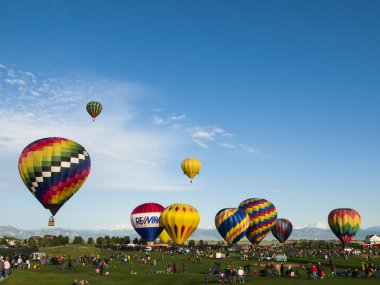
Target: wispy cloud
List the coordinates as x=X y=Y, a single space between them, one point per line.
x=168 y=121
x=205 y=136
x=200 y=143
x=48 y=107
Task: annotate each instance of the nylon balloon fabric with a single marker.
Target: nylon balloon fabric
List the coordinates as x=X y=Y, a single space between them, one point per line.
x=94 y=109
x=145 y=219
x=282 y=230
x=180 y=221
x=232 y=224
x=54 y=169
x=191 y=167
x=262 y=217
x=344 y=223
x=164 y=236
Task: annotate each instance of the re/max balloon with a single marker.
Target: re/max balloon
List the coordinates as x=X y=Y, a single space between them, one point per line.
x=145 y=219
x=344 y=223
x=94 y=109
x=53 y=169
x=232 y=224
x=262 y=216
x=282 y=230
x=191 y=167
x=180 y=221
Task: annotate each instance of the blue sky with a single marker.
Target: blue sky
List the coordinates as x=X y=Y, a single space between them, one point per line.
x=278 y=99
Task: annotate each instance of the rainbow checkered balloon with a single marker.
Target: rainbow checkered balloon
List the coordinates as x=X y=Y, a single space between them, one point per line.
x=232 y=224
x=53 y=169
x=262 y=216
x=344 y=223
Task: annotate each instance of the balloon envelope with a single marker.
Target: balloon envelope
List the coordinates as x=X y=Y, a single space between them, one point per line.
x=262 y=215
x=145 y=219
x=180 y=221
x=344 y=223
x=282 y=230
x=191 y=167
x=232 y=224
x=164 y=236
x=53 y=169
x=94 y=108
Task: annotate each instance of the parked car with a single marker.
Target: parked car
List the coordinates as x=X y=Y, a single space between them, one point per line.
x=266 y=257
x=281 y=257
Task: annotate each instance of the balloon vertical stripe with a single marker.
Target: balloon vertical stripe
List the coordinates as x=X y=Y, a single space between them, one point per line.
x=180 y=221
x=191 y=167
x=282 y=230
x=344 y=223
x=94 y=109
x=263 y=216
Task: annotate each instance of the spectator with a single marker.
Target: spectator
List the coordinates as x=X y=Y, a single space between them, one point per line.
x=241 y=274
x=7 y=267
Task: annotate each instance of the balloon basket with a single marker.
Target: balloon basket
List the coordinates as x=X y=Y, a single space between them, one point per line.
x=51 y=222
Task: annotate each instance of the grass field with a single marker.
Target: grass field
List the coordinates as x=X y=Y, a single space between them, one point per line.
x=119 y=272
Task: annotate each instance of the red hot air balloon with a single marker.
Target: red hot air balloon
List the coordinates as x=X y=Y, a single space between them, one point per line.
x=145 y=219
x=344 y=223
x=282 y=230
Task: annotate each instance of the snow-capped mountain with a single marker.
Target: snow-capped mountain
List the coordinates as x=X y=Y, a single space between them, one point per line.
x=317 y=231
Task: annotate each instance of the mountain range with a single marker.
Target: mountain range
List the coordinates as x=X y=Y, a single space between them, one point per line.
x=310 y=232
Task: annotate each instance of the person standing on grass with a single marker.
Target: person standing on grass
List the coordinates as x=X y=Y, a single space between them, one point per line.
x=241 y=274
x=1 y=267
x=7 y=267
x=333 y=270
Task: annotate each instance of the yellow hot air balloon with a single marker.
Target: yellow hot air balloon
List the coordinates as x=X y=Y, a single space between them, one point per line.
x=164 y=236
x=180 y=221
x=191 y=167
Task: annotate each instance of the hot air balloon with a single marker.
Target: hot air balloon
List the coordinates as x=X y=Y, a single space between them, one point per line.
x=164 y=236
x=180 y=221
x=282 y=230
x=145 y=219
x=344 y=223
x=262 y=216
x=232 y=224
x=53 y=169
x=94 y=109
x=191 y=167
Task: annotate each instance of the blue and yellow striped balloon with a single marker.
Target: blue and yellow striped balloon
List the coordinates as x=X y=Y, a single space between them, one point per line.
x=232 y=224
x=262 y=215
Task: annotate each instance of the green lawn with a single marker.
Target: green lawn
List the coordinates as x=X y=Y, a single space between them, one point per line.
x=119 y=272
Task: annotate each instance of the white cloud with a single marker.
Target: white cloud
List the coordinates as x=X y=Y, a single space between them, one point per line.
x=121 y=157
x=14 y=81
x=200 y=143
x=158 y=121
x=201 y=134
x=169 y=121
x=249 y=149
x=177 y=118
x=228 y=145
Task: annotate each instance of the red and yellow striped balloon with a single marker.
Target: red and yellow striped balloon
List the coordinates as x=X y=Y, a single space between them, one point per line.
x=180 y=221
x=262 y=215
x=344 y=223
x=232 y=224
